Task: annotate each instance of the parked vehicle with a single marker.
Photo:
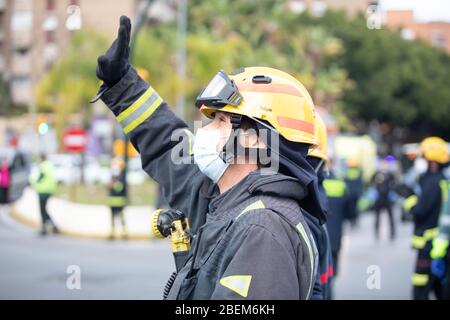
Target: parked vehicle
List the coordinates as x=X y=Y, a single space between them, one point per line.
x=19 y=164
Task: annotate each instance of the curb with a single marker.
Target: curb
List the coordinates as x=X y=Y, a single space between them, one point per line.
x=18 y=216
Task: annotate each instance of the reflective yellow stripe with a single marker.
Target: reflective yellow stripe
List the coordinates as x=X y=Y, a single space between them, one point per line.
x=334 y=188
x=444 y=189
x=305 y=237
x=255 y=205
x=238 y=284
x=144 y=116
x=419 y=279
x=140 y=110
x=410 y=202
x=439 y=248
x=429 y=234
x=419 y=242
x=136 y=104
x=353 y=174
x=117 y=201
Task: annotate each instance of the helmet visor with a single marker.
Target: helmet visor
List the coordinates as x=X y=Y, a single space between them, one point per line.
x=219 y=92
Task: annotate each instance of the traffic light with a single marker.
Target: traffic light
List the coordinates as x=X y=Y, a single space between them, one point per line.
x=42 y=125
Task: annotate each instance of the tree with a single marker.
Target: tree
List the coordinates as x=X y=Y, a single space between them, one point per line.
x=5 y=101
x=248 y=33
x=72 y=82
x=397 y=82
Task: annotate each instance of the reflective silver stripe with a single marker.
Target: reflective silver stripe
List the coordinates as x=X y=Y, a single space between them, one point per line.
x=139 y=111
x=305 y=237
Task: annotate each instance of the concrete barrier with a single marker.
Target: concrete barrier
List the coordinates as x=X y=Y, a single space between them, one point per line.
x=83 y=220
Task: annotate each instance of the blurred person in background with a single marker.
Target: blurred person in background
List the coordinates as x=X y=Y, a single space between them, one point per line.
x=354 y=182
x=251 y=239
x=117 y=199
x=440 y=253
x=338 y=200
x=425 y=209
x=45 y=185
x=384 y=182
x=4 y=181
x=317 y=157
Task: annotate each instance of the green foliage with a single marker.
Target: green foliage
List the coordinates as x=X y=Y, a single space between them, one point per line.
x=356 y=73
x=5 y=100
x=404 y=83
x=72 y=82
x=247 y=33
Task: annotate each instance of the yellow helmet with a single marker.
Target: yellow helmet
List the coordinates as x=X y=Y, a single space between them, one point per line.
x=266 y=94
x=435 y=149
x=321 y=135
x=352 y=162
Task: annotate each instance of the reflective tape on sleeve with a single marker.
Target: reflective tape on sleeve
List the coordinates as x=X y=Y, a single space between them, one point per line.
x=140 y=110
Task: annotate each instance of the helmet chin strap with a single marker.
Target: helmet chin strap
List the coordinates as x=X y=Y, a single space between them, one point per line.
x=233 y=148
x=319 y=165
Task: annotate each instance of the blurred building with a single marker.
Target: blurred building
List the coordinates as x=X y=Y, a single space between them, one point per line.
x=4 y=35
x=35 y=33
x=318 y=7
x=436 y=33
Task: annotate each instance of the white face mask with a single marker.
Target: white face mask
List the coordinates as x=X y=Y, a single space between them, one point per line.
x=206 y=155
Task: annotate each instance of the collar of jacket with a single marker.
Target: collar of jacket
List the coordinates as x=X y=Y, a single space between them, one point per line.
x=256 y=183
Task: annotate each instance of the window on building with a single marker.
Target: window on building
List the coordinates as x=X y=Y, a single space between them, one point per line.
x=408 y=34
x=50 y=5
x=438 y=39
x=50 y=36
x=297 y=6
x=318 y=8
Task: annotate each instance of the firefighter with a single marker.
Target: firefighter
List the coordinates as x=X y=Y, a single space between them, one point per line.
x=354 y=182
x=338 y=199
x=117 y=196
x=384 y=182
x=425 y=209
x=250 y=239
x=440 y=266
x=317 y=157
x=45 y=185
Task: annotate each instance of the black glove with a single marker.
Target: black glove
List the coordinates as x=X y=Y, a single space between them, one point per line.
x=114 y=64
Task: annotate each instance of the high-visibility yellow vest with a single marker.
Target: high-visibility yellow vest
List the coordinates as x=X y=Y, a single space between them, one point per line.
x=47 y=182
x=334 y=188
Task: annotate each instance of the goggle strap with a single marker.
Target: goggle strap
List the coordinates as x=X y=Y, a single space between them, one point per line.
x=235 y=121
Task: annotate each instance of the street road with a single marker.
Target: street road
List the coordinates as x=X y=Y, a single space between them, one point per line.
x=35 y=267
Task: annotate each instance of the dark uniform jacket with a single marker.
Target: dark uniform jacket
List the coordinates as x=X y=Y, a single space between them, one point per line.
x=426 y=212
x=250 y=241
x=338 y=199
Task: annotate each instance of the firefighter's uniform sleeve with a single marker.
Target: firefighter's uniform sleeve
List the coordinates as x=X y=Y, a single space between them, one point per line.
x=261 y=268
x=155 y=131
x=430 y=195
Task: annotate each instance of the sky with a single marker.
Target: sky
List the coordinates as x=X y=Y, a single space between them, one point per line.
x=424 y=10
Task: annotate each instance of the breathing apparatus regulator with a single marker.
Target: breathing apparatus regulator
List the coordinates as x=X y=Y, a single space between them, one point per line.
x=174 y=225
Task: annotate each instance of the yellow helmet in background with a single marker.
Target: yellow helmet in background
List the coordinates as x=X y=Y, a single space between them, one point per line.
x=435 y=149
x=265 y=94
x=352 y=162
x=321 y=135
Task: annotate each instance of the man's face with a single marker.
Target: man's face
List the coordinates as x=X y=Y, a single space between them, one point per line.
x=221 y=122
